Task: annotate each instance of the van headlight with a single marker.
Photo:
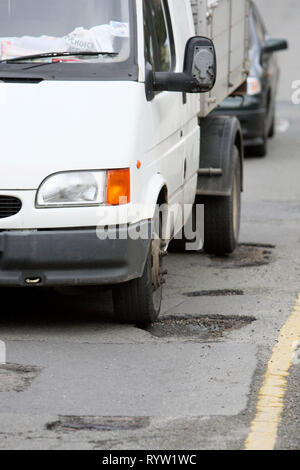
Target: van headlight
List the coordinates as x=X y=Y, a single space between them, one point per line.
x=73 y=188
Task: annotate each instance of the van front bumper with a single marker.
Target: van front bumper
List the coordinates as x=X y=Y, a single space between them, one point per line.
x=72 y=257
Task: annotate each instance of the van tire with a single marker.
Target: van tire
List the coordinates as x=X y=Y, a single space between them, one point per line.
x=134 y=300
x=222 y=216
x=139 y=301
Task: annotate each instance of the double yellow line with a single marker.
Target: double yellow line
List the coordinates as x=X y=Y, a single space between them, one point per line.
x=264 y=427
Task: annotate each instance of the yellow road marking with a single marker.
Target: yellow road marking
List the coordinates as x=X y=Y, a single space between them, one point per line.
x=270 y=404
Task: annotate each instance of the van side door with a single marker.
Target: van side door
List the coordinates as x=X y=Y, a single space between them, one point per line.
x=166 y=109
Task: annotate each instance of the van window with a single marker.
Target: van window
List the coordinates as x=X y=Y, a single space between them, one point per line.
x=30 y=27
x=102 y=34
x=158 y=35
x=160 y=25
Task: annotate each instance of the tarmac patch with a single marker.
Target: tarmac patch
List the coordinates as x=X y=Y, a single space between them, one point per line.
x=98 y=423
x=205 y=327
x=214 y=293
x=17 y=378
x=245 y=256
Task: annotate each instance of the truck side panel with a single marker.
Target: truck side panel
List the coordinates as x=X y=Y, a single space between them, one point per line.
x=226 y=22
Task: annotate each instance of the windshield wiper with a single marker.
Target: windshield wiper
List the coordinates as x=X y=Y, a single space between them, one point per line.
x=46 y=55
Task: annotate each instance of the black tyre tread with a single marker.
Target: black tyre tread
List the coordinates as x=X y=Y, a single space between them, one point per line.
x=219 y=238
x=133 y=301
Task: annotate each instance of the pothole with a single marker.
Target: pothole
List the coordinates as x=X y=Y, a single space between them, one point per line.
x=17 y=378
x=214 y=293
x=203 y=327
x=246 y=255
x=98 y=423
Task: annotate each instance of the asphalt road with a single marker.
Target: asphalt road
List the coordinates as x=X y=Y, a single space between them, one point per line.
x=78 y=380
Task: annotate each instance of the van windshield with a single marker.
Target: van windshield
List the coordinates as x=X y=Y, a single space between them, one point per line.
x=33 y=29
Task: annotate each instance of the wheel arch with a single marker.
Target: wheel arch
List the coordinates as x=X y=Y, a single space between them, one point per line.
x=156 y=193
x=219 y=134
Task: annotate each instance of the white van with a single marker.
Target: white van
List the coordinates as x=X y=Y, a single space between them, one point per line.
x=99 y=119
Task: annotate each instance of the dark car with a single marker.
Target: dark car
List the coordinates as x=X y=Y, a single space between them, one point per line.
x=256 y=109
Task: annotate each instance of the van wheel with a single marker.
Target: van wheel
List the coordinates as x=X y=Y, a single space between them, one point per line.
x=222 y=216
x=139 y=301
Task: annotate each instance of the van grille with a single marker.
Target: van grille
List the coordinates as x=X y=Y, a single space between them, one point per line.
x=9 y=206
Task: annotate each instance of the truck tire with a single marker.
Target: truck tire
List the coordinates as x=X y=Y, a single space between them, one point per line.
x=179 y=245
x=222 y=216
x=139 y=301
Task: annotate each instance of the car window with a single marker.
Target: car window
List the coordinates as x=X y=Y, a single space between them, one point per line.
x=158 y=35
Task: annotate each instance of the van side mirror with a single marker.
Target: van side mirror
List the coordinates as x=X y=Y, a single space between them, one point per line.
x=199 y=70
x=274 y=45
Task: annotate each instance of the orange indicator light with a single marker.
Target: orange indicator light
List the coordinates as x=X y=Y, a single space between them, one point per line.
x=118 y=187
